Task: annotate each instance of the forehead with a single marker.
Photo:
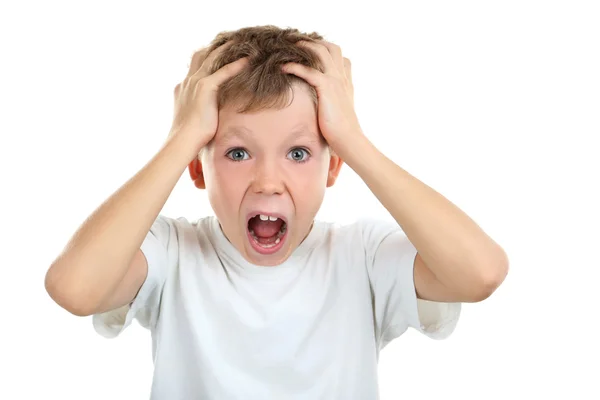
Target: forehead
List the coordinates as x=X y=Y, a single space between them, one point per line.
x=299 y=117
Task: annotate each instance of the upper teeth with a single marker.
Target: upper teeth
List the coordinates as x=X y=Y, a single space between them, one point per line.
x=267 y=217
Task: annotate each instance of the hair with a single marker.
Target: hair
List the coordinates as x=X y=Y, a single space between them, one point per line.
x=262 y=84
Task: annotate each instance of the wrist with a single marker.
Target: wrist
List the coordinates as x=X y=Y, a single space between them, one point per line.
x=353 y=149
x=182 y=148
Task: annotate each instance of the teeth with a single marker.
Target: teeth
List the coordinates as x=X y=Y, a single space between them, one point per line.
x=266 y=246
x=264 y=217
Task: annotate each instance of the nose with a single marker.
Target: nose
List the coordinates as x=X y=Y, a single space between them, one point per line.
x=267 y=179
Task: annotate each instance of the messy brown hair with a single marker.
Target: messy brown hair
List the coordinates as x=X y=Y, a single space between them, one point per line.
x=262 y=85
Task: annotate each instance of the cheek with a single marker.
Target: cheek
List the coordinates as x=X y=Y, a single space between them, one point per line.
x=225 y=186
x=308 y=182
x=313 y=174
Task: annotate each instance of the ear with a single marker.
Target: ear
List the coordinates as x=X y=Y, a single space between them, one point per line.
x=196 y=174
x=335 y=164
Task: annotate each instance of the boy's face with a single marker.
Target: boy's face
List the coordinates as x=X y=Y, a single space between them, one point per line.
x=274 y=163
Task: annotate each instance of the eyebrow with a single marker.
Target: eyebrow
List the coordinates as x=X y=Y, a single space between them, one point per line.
x=236 y=131
x=300 y=130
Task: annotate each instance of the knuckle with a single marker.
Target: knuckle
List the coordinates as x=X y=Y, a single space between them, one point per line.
x=186 y=83
x=205 y=84
x=199 y=56
x=192 y=80
x=200 y=53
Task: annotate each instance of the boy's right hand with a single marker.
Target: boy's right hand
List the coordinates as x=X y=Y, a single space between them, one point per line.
x=196 y=111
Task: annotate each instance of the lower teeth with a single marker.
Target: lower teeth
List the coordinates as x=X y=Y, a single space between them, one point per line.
x=269 y=245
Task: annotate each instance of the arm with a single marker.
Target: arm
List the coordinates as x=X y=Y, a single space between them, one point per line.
x=456 y=260
x=102 y=266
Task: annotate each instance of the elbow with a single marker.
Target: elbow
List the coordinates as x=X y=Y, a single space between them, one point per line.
x=67 y=295
x=490 y=276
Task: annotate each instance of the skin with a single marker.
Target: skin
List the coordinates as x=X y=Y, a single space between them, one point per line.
x=456 y=261
x=274 y=161
x=102 y=266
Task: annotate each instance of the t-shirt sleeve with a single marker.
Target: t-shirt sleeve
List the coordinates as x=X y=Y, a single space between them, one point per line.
x=390 y=260
x=160 y=248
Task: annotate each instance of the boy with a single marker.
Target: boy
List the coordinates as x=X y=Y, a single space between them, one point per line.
x=264 y=302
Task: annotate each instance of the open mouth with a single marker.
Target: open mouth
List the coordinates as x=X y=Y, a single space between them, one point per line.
x=267 y=233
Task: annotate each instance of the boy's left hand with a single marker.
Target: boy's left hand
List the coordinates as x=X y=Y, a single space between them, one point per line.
x=336 y=115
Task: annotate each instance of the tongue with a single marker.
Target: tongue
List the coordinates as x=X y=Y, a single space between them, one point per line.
x=265 y=229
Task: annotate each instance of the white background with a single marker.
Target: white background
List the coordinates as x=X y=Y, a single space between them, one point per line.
x=494 y=104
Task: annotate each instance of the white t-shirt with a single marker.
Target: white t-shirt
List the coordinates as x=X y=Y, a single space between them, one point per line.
x=311 y=328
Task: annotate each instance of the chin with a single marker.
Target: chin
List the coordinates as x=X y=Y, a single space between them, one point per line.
x=268 y=256
x=269 y=261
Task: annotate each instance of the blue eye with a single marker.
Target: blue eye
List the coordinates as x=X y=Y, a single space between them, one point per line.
x=299 y=155
x=238 y=154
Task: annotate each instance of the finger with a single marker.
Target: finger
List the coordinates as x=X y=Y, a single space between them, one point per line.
x=228 y=71
x=348 y=71
x=348 y=68
x=310 y=75
x=323 y=54
x=336 y=54
x=197 y=60
x=208 y=61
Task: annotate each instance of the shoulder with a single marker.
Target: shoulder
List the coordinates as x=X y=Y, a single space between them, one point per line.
x=181 y=224
x=357 y=235
x=363 y=229
x=176 y=233
x=163 y=222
